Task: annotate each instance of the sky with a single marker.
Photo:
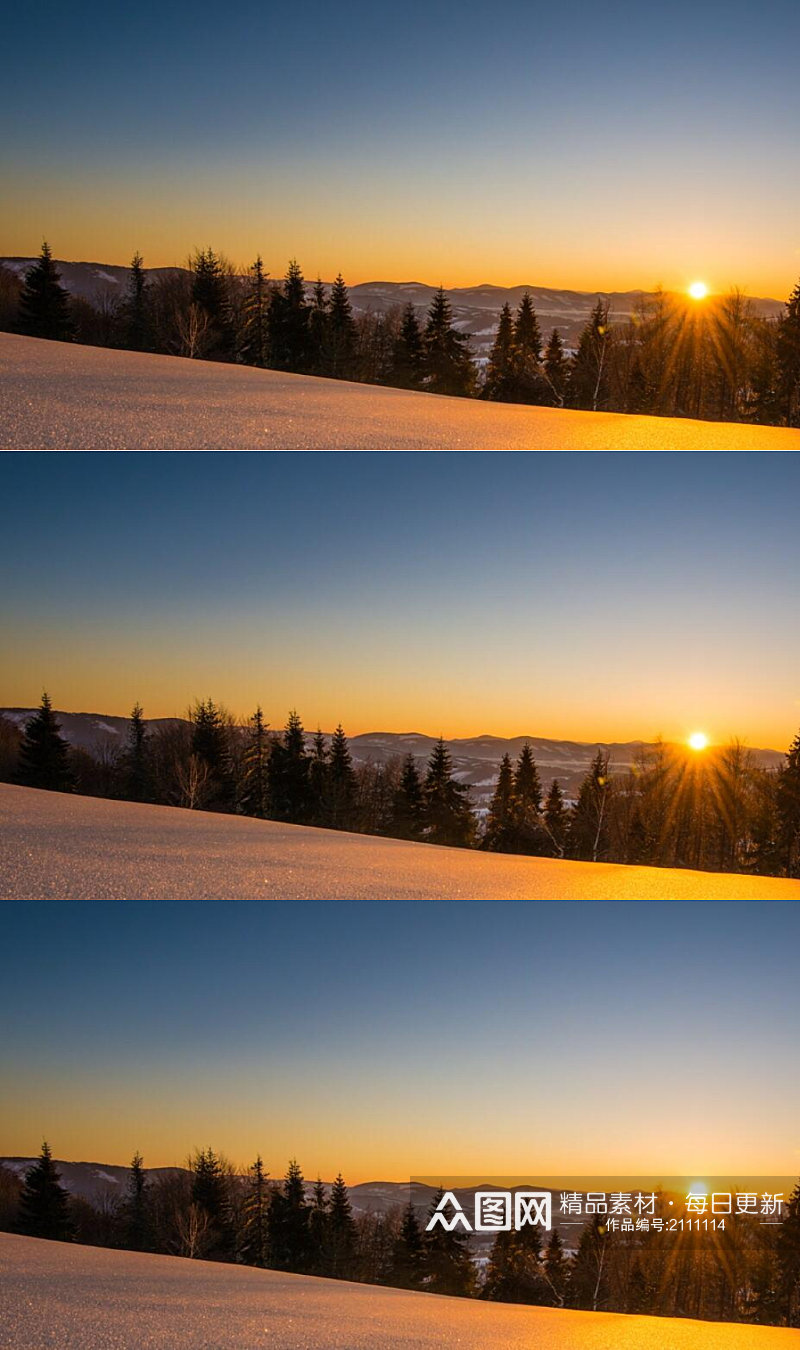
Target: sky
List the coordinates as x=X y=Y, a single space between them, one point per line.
x=397 y=1039
x=586 y=597
x=581 y=146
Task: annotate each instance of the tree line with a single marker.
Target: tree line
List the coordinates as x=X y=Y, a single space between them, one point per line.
x=717 y=810
x=209 y=1210
x=717 y=359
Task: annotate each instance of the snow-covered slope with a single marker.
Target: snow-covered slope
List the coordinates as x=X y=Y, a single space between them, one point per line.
x=89 y=1298
x=70 y=847
x=61 y=396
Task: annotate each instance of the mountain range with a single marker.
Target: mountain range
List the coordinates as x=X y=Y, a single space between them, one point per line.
x=475 y=308
x=475 y=758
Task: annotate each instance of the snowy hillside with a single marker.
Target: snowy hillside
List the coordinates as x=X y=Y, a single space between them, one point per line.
x=90 y=1298
x=58 y=395
x=70 y=847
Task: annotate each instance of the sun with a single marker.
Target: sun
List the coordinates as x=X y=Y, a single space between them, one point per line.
x=698 y=740
x=698 y=290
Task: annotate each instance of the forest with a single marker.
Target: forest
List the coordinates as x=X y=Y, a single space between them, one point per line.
x=718 y=810
x=209 y=1210
x=717 y=360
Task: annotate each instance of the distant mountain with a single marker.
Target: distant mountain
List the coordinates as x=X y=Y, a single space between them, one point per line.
x=475 y=308
x=475 y=759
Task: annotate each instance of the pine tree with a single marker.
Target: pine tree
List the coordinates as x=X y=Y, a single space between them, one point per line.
x=255 y=1231
x=407 y=803
x=341 y=332
x=255 y=786
x=588 y=828
x=589 y=1277
x=318 y=324
x=788 y=810
x=341 y=1232
x=288 y=323
x=341 y=783
x=137 y=1217
x=500 y=384
x=210 y=1192
x=588 y=385
x=408 y=1252
x=210 y=294
x=788 y=1253
x=138 y=783
x=254 y=343
x=211 y=744
x=289 y=1224
x=556 y=369
x=44 y=304
x=288 y=773
x=556 y=820
x=136 y=316
x=447 y=362
x=448 y=1266
x=556 y=1269
x=447 y=814
x=515 y=1269
x=43 y=1202
x=528 y=386
x=318 y=772
x=44 y=754
x=788 y=358
x=527 y=803
x=500 y=833
x=407 y=363
x=318 y=1223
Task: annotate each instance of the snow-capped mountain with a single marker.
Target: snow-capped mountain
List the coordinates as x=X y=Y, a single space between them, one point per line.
x=475 y=759
x=475 y=308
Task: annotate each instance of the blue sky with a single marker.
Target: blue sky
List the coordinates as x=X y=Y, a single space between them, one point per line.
x=394 y=1038
x=578 y=596
x=582 y=146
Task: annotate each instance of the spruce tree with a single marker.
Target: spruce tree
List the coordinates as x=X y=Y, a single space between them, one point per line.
x=407 y=803
x=407 y=361
x=255 y=785
x=788 y=359
x=408 y=1252
x=527 y=354
x=588 y=829
x=136 y=1213
x=211 y=744
x=448 y=1265
x=556 y=820
x=588 y=385
x=515 y=1269
x=556 y=369
x=588 y=1285
x=210 y=294
x=288 y=774
x=318 y=1223
x=318 y=325
x=136 y=317
x=341 y=783
x=254 y=342
x=788 y=1254
x=341 y=332
x=43 y=1202
x=500 y=833
x=527 y=805
x=447 y=362
x=211 y=1194
x=318 y=774
x=788 y=810
x=44 y=754
x=254 y=1248
x=289 y=1224
x=447 y=813
x=137 y=774
x=556 y=1269
x=44 y=304
x=288 y=323
x=500 y=384
x=341 y=1232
